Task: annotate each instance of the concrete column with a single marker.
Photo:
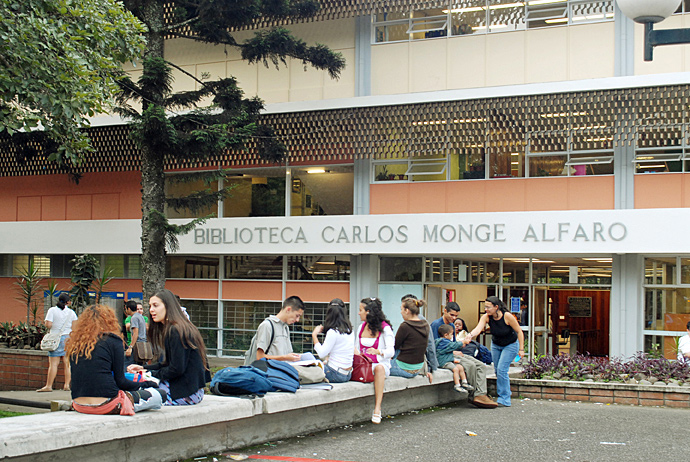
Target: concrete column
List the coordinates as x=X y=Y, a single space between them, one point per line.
x=363 y=56
x=624 y=54
x=363 y=282
x=362 y=173
x=626 y=315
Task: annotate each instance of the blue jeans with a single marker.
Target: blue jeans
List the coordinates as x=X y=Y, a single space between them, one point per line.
x=503 y=356
x=334 y=376
x=398 y=371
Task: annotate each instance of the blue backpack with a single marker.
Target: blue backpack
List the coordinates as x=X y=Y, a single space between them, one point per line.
x=282 y=375
x=238 y=381
x=484 y=354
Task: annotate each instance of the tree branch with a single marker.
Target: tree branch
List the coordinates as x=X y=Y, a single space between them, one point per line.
x=181 y=24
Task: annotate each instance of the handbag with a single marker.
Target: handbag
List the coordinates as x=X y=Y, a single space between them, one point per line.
x=143 y=351
x=361 y=369
x=51 y=340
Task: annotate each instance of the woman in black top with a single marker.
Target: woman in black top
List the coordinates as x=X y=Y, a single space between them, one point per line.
x=96 y=352
x=507 y=341
x=184 y=370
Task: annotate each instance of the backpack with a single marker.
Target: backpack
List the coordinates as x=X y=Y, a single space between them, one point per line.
x=484 y=354
x=250 y=354
x=281 y=375
x=238 y=381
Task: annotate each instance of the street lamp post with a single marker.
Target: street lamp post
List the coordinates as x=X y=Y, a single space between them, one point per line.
x=649 y=12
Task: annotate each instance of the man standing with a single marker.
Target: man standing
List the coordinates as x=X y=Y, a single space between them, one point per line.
x=137 y=327
x=272 y=339
x=475 y=369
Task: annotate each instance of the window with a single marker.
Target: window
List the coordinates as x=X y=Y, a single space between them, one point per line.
x=256 y=193
x=467 y=17
x=327 y=190
x=174 y=189
x=254 y=267
x=319 y=268
x=666 y=302
x=204 y=315
x=191 y=267
x=123 y=266
x=400 y=269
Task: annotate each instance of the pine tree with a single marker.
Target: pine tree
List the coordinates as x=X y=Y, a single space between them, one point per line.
x=195 y=134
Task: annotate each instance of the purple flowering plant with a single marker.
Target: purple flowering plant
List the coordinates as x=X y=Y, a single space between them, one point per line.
x=580 y=367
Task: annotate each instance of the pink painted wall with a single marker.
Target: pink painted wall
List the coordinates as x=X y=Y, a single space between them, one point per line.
x=98 y=196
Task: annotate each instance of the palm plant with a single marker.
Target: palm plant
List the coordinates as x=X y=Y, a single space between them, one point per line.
x=28 y=286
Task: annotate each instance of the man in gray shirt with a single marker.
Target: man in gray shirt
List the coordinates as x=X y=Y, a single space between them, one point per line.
x=137 y=327
x=276 y=327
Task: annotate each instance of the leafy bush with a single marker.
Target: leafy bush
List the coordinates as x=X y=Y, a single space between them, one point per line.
x=22 y=334
x=583 y=367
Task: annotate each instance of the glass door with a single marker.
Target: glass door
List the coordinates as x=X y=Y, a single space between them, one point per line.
x=539 y=336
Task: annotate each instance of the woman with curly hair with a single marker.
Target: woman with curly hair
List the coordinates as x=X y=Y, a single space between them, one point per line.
x=97 y=354
x=336 y=350
x=183 y=372
x=375 y=341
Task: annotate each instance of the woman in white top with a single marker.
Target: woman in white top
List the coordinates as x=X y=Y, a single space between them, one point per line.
x=375 y=340
x=59 y=319
x=337 y=348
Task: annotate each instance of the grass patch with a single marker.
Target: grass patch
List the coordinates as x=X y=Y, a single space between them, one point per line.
x=12 y=414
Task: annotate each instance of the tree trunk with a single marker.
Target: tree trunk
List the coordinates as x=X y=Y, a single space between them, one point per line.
x=152 y=173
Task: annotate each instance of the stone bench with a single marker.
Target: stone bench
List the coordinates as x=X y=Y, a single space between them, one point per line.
x=216 y=424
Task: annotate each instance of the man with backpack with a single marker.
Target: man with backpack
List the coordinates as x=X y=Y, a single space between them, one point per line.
x=272 y=339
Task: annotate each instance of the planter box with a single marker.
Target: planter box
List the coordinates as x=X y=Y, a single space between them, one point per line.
x=26 y=370
x=600 y=392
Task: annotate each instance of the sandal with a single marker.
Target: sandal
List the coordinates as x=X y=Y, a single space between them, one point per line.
x=44 y=390
x=376 y=418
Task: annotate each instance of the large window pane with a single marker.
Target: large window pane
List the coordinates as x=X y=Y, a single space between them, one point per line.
x=256 y=193
x=660 y=271
x=468 y=17
x=254 y=267
x=240 y=321
x=191 y=267
x=322 y=190
x=322 y=268
x=400 y=269
x=182 y=189
x=667 y=309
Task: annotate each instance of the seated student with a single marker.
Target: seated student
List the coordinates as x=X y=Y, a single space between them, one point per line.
x=184 y=371
x=411 y=341
x=450 y=314
x=96 y=353
x=445 y=348
x=460 y=329
x=431 y=361
x=337 y=349
x=375 y=340
x=273 y=334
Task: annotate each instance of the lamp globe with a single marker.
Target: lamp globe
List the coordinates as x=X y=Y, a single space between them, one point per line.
x=648 y=11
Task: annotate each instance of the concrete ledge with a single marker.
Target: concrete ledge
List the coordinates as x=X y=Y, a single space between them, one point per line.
x=216 y=424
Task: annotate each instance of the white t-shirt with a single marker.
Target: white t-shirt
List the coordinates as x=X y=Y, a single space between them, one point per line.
x=338 y=348
x=684 y=347
x=59 y=317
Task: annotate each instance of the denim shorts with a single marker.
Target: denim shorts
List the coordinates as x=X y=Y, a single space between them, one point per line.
x=60 y=349
x=335 y=376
